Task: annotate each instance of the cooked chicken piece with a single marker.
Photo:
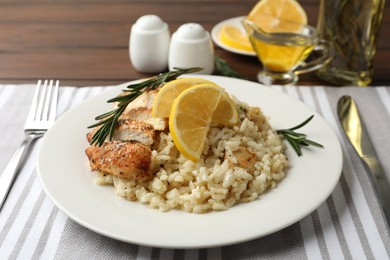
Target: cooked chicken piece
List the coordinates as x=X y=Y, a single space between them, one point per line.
x=129 y=130
x=245 y=159
x=129 y=155
x=144 y=100
x=144 y=114
x=136 y=122
x=141 y=110
x=256 y=115
x=123 y=159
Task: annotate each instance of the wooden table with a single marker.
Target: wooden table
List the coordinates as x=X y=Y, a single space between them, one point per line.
x=85 y=42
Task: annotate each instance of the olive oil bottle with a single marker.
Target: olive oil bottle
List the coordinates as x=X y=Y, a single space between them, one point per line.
x=352 y=26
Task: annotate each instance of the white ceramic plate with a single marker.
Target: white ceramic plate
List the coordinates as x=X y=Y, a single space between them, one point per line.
x=66 y=179
x=215 y=35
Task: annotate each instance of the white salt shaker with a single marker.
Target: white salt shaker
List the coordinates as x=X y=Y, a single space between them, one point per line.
x=191 y=46
x=149 y=44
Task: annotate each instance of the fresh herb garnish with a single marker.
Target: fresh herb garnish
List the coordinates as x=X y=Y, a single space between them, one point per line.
x=223 y=69
x=296 y=140
x=108 y=120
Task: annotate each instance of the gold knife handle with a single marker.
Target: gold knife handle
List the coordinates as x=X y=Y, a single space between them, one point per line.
x=380 y=183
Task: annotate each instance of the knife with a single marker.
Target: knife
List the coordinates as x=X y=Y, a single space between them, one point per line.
x=357 y=134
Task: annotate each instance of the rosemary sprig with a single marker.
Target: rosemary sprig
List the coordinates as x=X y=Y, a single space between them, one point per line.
x=108 y=120
x=223 y=69
x=296 y=140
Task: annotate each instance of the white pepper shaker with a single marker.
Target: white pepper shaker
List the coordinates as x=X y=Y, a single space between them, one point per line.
x=191 y=46
x=149 y=44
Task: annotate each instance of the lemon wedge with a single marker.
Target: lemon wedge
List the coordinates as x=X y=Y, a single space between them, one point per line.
x=166 y=95
x=192 y=113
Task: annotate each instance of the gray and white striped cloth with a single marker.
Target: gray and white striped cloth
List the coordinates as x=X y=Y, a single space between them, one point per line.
x=348 y=225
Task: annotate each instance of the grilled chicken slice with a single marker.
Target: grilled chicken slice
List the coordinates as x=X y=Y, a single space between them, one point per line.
x=136 y=122
x=141 y=110
x=123 y=159
x=129 y=155
x=245 y=159
x=146 y=99
x=144 y=114
x=129 y=130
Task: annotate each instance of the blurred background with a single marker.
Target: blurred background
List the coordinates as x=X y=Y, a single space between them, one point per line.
x=85 y=42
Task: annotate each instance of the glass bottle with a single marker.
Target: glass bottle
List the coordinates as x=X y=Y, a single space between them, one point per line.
x=352 y=26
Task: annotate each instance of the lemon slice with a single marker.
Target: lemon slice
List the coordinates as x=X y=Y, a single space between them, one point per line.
x=192 y=113
x=289 y=10
x=233 y=37
x=166 y=95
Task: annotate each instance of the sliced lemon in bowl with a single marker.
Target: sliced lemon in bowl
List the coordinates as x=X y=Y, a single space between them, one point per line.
x=166 y=95
x=232 y=36
x=192 y=113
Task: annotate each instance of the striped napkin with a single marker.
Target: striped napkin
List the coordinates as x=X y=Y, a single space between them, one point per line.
x=348 y=225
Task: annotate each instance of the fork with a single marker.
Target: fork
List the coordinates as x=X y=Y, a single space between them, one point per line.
x=40 y=118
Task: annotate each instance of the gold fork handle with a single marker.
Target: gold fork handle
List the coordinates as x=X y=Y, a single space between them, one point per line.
x=9 y=173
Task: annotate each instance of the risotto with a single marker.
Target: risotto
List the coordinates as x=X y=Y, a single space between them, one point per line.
x=237 y=165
